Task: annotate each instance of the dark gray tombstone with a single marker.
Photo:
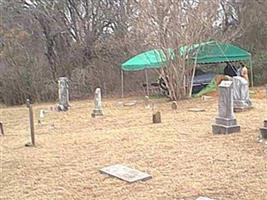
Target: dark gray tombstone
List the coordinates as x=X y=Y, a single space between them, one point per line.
x=98 y=104
x=156 y=118
x=63 y=94
x=226 y=122
x=263 y=131
x=241 y=94
x=1 y=129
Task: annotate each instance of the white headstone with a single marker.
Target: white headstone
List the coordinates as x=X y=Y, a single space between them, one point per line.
x=63 y=93
x=241 y=92
x=98 y=104
x=147 y=102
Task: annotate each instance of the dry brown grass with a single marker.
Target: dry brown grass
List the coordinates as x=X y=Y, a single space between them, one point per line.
x=185 y=159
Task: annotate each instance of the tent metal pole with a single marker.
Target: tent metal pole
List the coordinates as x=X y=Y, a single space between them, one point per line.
x=193 y=76
x=192 y=80
x=122 y=86
x=251 y=73
x=147 y=89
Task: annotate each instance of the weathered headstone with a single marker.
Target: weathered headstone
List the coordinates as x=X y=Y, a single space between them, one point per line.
x=263 y=131
x=241 y=94
x=263 y=134
x=63 y=94
x=41 y=116
x=98 y=104
x=156 y=118
x=125 y=173
x=225 y=122
x=1 y=129
x=147 y=102
x=174 y=105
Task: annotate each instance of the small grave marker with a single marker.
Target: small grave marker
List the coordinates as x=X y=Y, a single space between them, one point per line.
x=1 y=128
x=174 y=105
x=204 y=198
x=196 y=110
x=130 y=104
x=125 y=173
x=263 y=131
x=147 y=102
x=156 y=118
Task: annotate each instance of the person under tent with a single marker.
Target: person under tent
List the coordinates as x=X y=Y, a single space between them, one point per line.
x=230 y=70
x=244 y=71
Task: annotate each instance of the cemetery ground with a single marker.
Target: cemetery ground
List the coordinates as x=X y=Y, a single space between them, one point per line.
x=183 y=156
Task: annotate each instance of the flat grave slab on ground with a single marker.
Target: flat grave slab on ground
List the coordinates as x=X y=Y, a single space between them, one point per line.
x=196 y=110
x=125 y=173
x=204 y=198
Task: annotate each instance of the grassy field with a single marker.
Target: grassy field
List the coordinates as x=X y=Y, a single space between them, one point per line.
x=185 y=159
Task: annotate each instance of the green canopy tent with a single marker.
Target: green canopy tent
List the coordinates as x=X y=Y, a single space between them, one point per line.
x=203 y=53
x=215 y=52
x=152 y=59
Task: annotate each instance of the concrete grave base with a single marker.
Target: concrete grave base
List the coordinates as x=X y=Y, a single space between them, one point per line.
x=221 y=129
x=96 y=113
x=225 y=121
x=243 y=109
x=225 y=126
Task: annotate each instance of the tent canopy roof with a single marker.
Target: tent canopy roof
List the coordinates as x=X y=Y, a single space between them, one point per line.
x=214 y=52
x=203 y=53
x=151 y=59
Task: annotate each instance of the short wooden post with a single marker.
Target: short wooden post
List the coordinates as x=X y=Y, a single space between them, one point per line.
x=29 y=105
x=1 y=128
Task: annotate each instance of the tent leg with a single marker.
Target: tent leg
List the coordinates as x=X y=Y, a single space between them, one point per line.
x=251 y=73
x=147 y=89
x=122 y=86
x=192 y=80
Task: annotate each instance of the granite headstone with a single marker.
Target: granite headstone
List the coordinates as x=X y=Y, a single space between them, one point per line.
x=225 y=122
x=63 y=93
